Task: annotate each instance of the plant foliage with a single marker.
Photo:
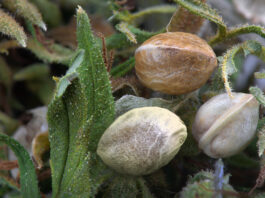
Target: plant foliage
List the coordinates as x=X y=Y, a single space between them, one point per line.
x=28 y=179
x=81 y=110
x=89 y=92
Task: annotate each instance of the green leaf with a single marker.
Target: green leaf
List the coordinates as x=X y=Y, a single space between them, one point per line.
x=82 y=108
x=233 y=32
x=10 y=27
x=123 y=27
x=246 y=29
x=33 y=71
x=258 y=93
x=262 y=54
x=38 y=80
x=242 y=160
x=59 y=141
x=8 y=124
x=125 y=16
x=55 y=53
x=259 y=75
x=260 y=195
x=261 y=136
x=123 y=68
x=232 y=60
x=5 y=73
x=8 y=182
x=252 y=47
x=43 y=87
x=122 y=187
x=157 y=9
x=94 y=79
x=26 y=10
x=202 y=185
x=144 y=189
x=205 y=11
x=28 y=178
x=261 y=141
x=121 y=40
x=50 y=11
x=70 y=75
x=128 y=102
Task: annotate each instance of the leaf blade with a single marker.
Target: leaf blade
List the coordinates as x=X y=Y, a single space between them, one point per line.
x=84 y=94
x=27 y=10
x=230 y=61
x=97 y=88
x=28 y=178
x=10 y=27
x=258 y=94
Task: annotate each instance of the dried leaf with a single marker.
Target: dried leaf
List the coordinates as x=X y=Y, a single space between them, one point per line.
x=184 y=21
x=205 y=11
x=130 y=81
x=40 y=146
x=8 y=165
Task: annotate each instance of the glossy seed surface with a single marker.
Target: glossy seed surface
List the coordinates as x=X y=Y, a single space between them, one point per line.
x=174 y=62
x=224 y=126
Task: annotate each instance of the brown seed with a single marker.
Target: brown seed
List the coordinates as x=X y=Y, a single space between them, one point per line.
x=174 y=62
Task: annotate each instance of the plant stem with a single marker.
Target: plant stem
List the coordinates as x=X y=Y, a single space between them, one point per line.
x=238 y=31
x=123 y=68
x=161 y=9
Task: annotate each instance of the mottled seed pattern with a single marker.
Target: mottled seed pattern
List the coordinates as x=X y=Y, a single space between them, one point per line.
x=142 y=140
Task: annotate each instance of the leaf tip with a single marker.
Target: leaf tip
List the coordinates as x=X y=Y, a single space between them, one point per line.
x=80 y=10
x=23 y=43
x=56 y=79
x=43 y=26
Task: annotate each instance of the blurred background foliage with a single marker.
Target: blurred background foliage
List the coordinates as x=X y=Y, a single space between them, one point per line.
x=37 y=43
